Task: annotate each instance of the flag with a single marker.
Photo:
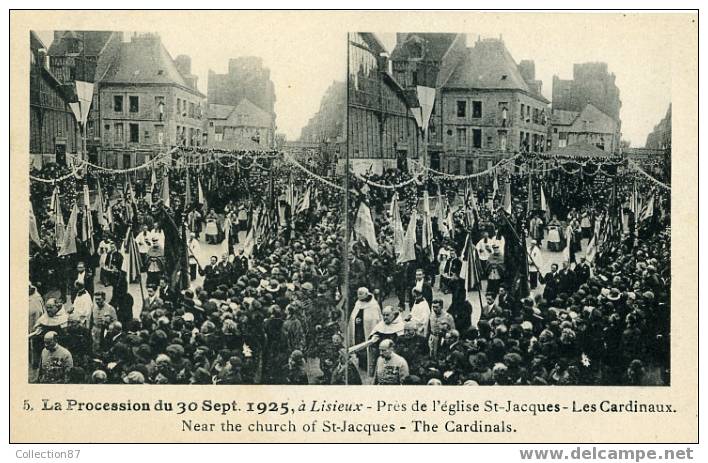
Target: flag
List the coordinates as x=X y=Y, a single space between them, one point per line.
x=87 y=221
x=99 y=205
x=468 y=272
x=408 y=252
x=187 y=189
x=290 y=192
x=441 y=215
x=507 y=197
x=176 y=253
x=591 y=250
x=166 y=189
x=647 y=211
x=33 y=232
x=396 y=224
x=566 y=251
x=495 y=189
x=470 y=206
x=55 y=207
x=304 y=202
x=249 y=243
x=153 y=185
x=131 y=259
x=68 y=245
x=544 y=205
x=227 y=237
x=529 y=206
x=364 y=226
x=427 y=235
x=201 y=199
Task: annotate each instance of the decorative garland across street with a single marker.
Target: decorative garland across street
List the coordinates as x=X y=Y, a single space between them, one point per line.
x=253 y=158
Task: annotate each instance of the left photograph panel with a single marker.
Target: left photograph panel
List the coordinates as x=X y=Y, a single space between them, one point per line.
x=186 y=208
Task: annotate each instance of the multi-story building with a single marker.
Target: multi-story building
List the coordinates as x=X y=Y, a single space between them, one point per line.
x=146 y=105
x=382 y=130
x=592 y=84
x=241 y=127
x=491 y=108
x=326 y=129
x=53 y=127
x=589 y=126
x=246 y=79
x=84 y=56
x=660 y=137
x=427 y=60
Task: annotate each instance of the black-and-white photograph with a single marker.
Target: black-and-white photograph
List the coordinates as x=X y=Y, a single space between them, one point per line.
x=480 y=207
x=511 y=208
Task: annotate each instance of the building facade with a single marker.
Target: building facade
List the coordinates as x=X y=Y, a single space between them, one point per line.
x=53 y=127
x=326 y=129
x=660 y=137
x=146 y=105
x=84 y=56
x=590 y=126
x=491 y=108
x=382 y=131
x=241 y=127
x=428 y=59
x=592 y=84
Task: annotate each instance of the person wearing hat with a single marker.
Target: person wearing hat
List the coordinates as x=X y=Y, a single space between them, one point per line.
x=143 y=241
x=364 y=317
x=155 y=265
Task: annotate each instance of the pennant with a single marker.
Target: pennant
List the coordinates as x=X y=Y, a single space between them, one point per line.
x=507 y=197
x=566 y=251
x=153 y=186
x=529 y=206
x=364 y=226
x=87 y=221
x=647 y=211
x=68 y=245
x=396 y=224
x=427 y=235
x=305 y=202
x=33 y=232
x=166 y=189
x=200 y=195
x=99 y=205
x=58 y=218
x=408 y=252
x=131 y=259
x=468 y=272
x=441 y=215
x=187 y=189
x=591 y=250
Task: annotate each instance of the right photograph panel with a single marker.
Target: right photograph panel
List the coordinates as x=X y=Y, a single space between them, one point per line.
x=509 y=212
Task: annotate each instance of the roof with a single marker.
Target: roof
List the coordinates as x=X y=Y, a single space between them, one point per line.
x=582 y=150
x=489 y=66
x=145 y=60
x=435 y=45
x=256 y=116
x=94 y=42
x=219 y=111
x=563 y=117
x=35 y=45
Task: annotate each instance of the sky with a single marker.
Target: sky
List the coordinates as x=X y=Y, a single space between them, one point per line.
x=301 y=69
x=305 y=57
x=640 y=62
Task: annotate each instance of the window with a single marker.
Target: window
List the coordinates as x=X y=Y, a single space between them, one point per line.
x=490 y=142
x=503 y=112
x=118 y=103
x=179 y=106
x=528 y=113
x=476 y=109
x=523 y=106
x=107 y=133
x=536 y=119
x=134 y=133
x=160 y=133
x=502 y=141
x=119 y=132
x=415 y=77
x=562 y=139
x=160 y=107
x=191 y=109
x=477 y=138
x=461 y=138
x=461 y=109
x=218 y=137
x=134 y=104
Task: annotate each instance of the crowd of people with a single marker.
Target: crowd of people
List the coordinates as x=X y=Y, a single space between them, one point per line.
x=294 y=310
